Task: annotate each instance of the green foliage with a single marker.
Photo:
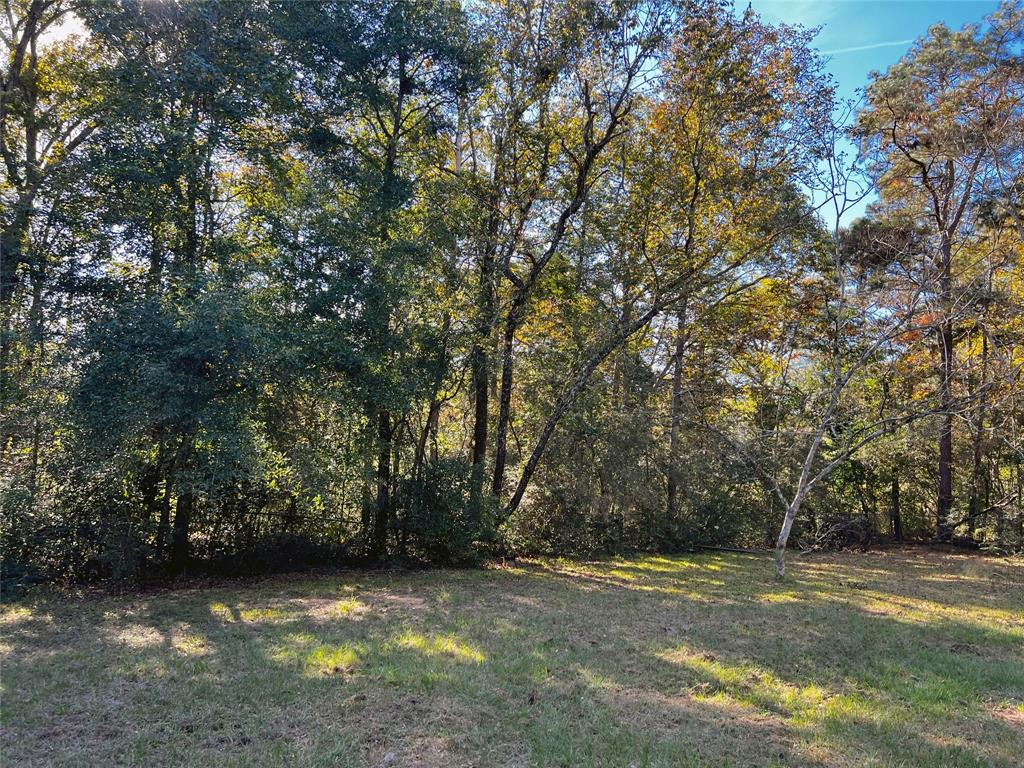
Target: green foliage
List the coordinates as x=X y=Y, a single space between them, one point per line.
x=282 y=281
x=441 y=521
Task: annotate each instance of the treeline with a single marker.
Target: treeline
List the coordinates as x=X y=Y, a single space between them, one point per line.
x=288 y=283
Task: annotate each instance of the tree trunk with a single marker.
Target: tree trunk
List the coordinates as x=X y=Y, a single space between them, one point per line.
x=481 y=366
x=383 y=509
x=895 y=518
x=480 y=355
x=974 y=506
x=780 y=543
x=568 y=397
x=180 y=545
x=21 y=78
x=12 y=250
x=13 y=241
x=429 y=427
x=163 y=527
x=943 y=531
x=505 y=398
x=677 y=397
x=382 y=513
x=149 y=485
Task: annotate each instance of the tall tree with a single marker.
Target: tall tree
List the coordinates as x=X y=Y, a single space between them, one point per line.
x=704 y=229
x=46 y=114
x=936 y=124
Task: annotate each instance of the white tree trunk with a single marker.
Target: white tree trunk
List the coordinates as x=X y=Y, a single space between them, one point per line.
x=780 y=543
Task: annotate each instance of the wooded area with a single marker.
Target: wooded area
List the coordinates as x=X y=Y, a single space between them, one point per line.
x=288 y=283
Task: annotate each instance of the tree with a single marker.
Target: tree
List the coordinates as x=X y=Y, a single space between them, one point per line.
x=704 y=231
x=48 y=111
x=936 y=124
x=303 y=283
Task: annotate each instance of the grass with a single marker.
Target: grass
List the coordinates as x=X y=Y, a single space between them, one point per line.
x=890 y=659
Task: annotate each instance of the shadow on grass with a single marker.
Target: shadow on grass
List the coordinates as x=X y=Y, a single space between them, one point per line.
x=652 y=662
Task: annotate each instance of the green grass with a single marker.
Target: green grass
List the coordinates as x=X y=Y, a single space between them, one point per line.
x=894 y=659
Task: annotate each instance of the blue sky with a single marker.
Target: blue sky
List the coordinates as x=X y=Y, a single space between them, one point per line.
x=859 y=36
x=862 y=35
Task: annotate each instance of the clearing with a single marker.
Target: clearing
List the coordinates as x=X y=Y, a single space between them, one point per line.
x=897 y=659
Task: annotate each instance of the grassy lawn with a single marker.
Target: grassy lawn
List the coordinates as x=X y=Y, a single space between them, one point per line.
x=896 y=659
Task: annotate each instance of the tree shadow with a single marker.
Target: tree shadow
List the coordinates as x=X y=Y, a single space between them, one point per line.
x=548 y=663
